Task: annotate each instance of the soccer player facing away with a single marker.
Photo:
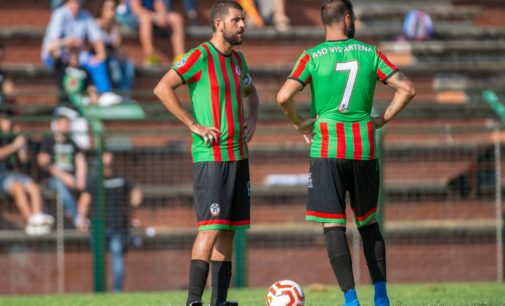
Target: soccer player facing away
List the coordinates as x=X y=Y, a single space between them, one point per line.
x=225 y=106
x=342 y=73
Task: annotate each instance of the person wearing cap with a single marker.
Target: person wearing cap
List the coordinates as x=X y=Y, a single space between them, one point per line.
x=61 y=157
x=21 y=187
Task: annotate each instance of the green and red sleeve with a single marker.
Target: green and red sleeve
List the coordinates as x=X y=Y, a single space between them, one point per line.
x=301 y=71
x=189 y=68
x=385 y=69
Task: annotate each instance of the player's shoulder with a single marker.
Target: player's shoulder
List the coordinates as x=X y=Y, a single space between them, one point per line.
x=364 y=44
x=314 y=50
x=200 y=50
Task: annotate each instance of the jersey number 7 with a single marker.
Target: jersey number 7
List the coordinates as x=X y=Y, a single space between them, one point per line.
x=352 y=67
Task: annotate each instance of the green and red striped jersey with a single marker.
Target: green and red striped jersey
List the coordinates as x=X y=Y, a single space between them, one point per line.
x=342 y=76
x=216 y=85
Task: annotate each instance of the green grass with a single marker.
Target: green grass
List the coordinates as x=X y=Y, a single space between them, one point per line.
x=468 y=294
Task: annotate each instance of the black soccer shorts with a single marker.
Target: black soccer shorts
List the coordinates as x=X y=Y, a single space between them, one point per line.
x=330 y=180
x=222 y=195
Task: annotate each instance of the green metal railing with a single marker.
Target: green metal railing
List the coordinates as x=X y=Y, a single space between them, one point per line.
x=494 y=102
x=98 y=223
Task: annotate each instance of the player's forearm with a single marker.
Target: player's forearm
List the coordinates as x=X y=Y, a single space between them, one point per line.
x=289 y=109
x=404 y=93
x=400 y=100
x=167 y=96
x=251 y=106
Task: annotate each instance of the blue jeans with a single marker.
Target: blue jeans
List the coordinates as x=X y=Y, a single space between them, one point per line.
x=116 y=249
x=122 y=72
x=97 y=71
x=67 y=196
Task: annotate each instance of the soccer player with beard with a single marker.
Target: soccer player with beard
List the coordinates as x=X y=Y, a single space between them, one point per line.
x=225 y=106
x=342 y=73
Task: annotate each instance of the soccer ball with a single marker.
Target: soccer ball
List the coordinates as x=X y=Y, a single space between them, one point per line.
x=285 y=293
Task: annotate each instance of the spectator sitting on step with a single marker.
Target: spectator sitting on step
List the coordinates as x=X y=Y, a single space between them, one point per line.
x=21 y=187
x=70 y=27
x=121 y=68
x=146 y=13
x=66 y=163
x=76 y=86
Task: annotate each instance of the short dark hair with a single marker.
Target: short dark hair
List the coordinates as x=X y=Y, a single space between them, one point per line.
x=333 y=11
x=220 y=9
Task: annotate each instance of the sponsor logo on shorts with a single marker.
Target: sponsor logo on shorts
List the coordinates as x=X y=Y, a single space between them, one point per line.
x=215 y=209
x=309 y=183
x=249 y=189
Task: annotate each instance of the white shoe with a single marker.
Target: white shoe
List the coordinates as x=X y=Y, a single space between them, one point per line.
x=82 y=223
x=109 y=99
x=38 y=219
x=37 y=230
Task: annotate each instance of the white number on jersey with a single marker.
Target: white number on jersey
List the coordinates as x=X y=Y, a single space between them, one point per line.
x=352 y=67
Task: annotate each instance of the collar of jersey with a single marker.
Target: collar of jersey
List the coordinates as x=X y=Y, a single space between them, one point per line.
x=225 y=55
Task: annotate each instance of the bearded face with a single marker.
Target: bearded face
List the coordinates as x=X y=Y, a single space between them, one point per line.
x=233 y=27
x=233 y=36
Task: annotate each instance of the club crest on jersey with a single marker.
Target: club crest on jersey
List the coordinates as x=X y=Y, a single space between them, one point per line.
x=238 y=70
x=180 y=63
x=215 y=209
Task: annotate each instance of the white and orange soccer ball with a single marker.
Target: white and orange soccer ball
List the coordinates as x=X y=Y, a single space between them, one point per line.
x=285 y=293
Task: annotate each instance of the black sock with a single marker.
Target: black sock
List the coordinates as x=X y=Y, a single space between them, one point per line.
x=340 y=256
x=198 y=272
x=221 y=277
x=375 y=252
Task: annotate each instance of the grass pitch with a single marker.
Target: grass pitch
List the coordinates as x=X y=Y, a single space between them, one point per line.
x=468 y=294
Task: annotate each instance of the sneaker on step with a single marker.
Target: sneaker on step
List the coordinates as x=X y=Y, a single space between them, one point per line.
x=41 y=219
x=151 y=61
x=109 y=99
x=37 y=230
x=82 y=224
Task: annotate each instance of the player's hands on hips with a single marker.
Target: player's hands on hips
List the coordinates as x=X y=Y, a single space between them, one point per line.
x=378 y=122
x=210 y=135
x=307 y=129
x=249 y=129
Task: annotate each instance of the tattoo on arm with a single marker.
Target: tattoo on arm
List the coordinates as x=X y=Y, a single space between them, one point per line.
x=400 y=77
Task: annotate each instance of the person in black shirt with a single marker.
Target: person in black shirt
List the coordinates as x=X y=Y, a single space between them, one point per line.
x=66 y=163
x=21 y=187
x=120 y=196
